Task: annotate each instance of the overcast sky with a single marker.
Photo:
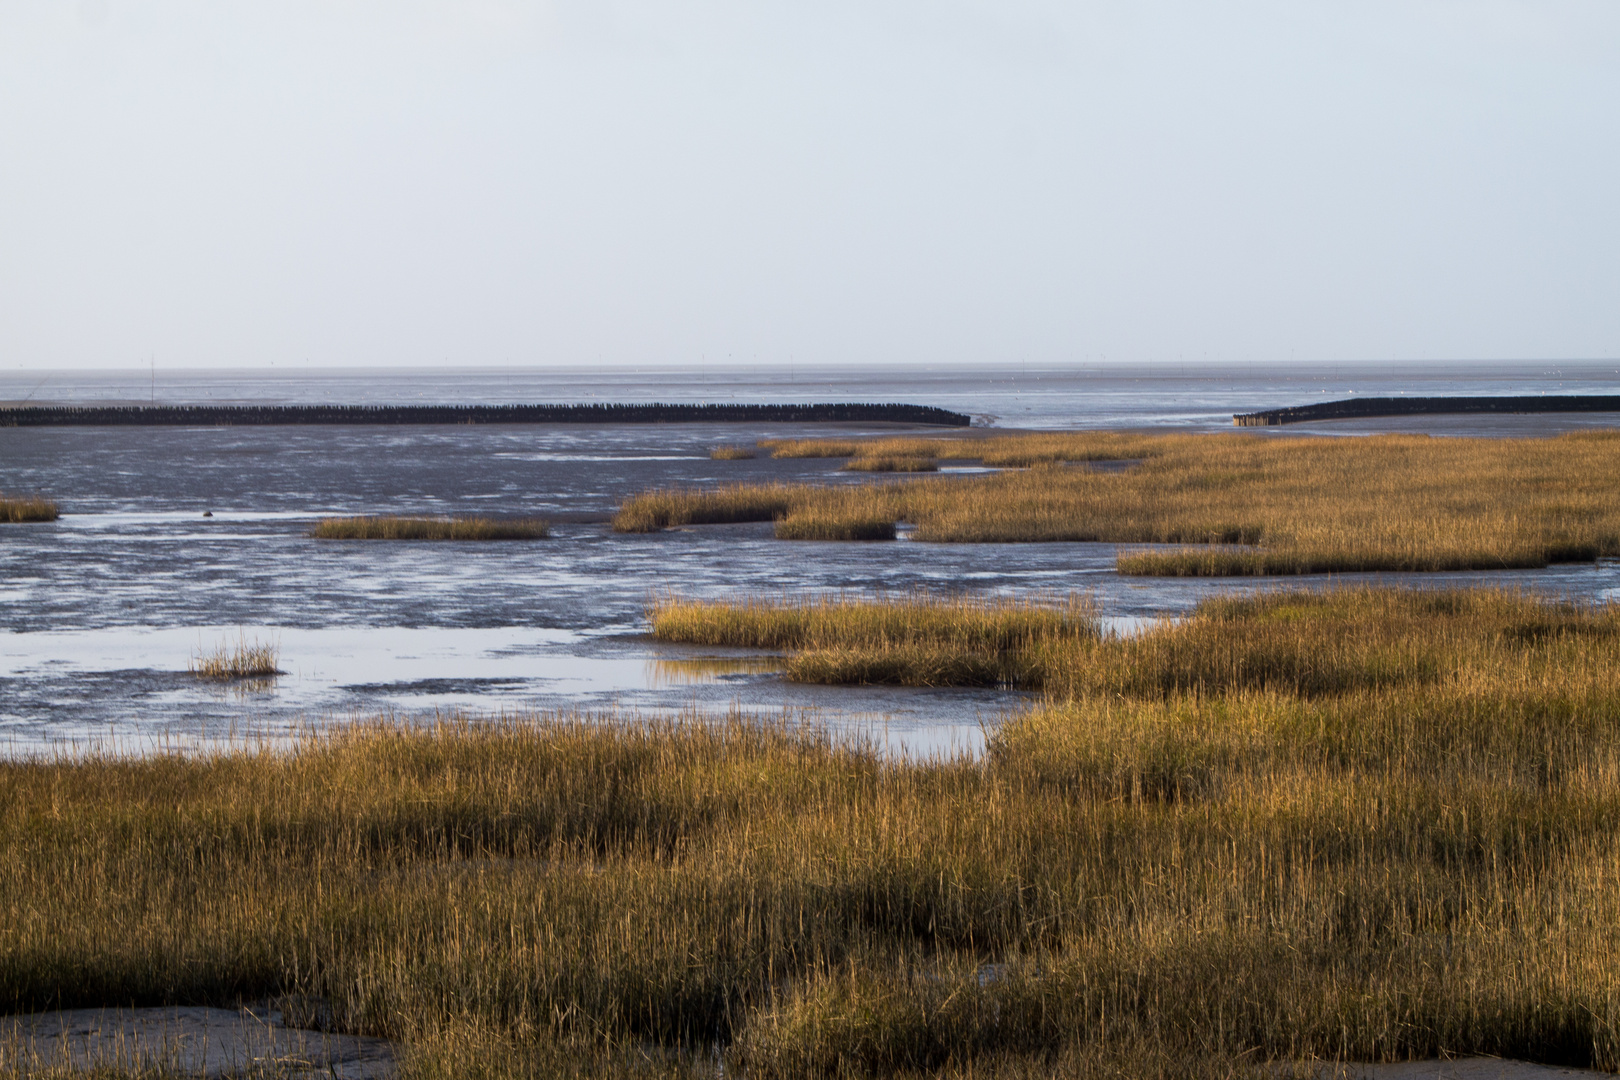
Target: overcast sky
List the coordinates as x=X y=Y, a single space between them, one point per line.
x=346 y=182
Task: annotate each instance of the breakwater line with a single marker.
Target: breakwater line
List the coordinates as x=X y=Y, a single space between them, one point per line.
x=1356 y=408
x=260 y=415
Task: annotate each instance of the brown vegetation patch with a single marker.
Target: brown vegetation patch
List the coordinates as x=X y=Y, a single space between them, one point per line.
x=414 y=528
x=1234 y=504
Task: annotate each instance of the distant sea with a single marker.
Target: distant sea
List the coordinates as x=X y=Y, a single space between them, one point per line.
x=1180 y=396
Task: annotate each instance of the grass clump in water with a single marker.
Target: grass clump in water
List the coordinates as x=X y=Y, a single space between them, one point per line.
x=430 y=528
x=801 y=512
x=242 y=659
x=18 y=509
x=733 y=453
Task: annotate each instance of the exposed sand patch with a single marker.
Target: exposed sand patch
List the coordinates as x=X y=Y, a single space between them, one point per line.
x=194 y=1041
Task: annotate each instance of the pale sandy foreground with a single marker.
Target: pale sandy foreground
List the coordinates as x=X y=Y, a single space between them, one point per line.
x=192 y=1041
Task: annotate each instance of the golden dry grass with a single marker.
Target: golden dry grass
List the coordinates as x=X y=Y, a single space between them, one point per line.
x=914 y=640
x=1306 y=644
x=17 y=509
x=414 y=528
x=241 y=659
x=1402 y=844
x=1002 y=451
x=820 y=524
x=732 y=453
x=1238 y=504
x=826 y=516
x=666 y=508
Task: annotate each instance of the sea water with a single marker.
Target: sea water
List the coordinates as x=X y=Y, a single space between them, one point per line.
x=103 y=610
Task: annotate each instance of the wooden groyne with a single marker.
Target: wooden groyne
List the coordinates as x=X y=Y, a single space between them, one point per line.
x=244 y=415
x=1356 y=408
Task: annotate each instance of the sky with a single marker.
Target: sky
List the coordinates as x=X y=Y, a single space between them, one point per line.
x=402 y=182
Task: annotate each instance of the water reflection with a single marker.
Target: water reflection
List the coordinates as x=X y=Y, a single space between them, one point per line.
x=704 y=670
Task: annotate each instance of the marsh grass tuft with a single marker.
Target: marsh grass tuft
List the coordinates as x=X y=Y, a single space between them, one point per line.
x=914 y=640
x=801 y=512
x=414 y=528
x=1228 y=504
x=18 y=509
x=669 y=507
x=834 y=526
x=733 y=453
x=912 y=665
x=242 y=659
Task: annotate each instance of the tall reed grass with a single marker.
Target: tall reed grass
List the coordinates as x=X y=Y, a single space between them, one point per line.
x=732 y=453
x=17 y=509
x=412 y=528
x=1229 y=504
x=1222 y=850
